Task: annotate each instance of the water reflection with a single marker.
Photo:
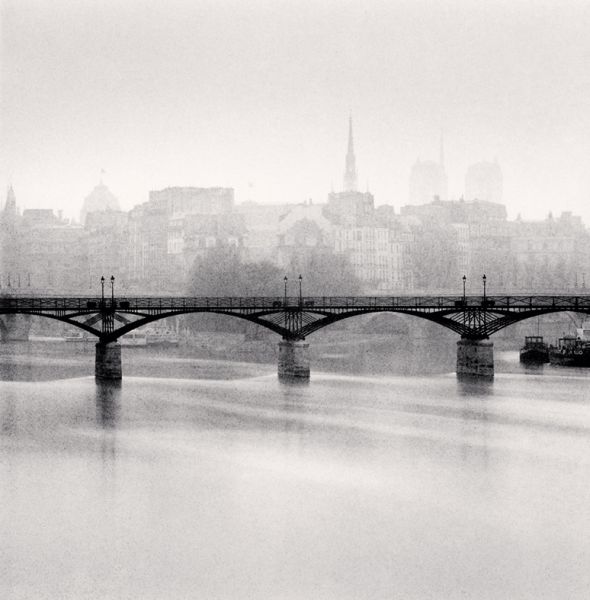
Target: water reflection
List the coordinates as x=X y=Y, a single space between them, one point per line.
x=108 y=395
x=16 y=363
x=9 y=417
x=475 y=429
x=431 y=485
x=108 y=402
x=533 y=368
x=294 y=396
x=288 y=380
x=475 y=386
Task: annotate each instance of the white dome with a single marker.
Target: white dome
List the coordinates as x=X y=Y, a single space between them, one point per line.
x=99 y=200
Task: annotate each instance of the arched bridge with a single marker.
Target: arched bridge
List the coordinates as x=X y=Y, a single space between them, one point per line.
x=294 y=318
x=472 y=317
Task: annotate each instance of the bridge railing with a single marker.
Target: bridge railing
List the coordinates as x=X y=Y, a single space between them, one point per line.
x=169 y=303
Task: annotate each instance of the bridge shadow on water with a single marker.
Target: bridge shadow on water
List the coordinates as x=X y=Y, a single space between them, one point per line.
x=108 y=403
x=475 y=386
x=108 y=408
x=294 y=381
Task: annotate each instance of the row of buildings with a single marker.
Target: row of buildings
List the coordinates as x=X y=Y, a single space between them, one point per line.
x=427 y=246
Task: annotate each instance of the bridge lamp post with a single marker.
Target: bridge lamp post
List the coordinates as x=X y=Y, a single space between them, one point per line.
x=112 y=289
x=484 y=288
x=285 y=296
x=102 y=284
x=464 y=280
x=300 y=294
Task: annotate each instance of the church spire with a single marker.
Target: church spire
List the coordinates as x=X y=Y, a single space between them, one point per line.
x=10 y=205
x=350 y=178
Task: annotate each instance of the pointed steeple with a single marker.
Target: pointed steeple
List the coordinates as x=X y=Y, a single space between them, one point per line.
x=10 y=205
x=350 y=177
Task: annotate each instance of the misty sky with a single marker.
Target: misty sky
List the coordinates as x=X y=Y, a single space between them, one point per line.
x=257 y=95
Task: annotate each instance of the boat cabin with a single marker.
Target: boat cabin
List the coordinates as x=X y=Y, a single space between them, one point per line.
x=534 y=340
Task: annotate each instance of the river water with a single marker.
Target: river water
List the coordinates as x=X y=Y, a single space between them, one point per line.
x=210 y=479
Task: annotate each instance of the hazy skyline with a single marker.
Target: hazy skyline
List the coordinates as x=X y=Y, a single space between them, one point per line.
x=257 y=98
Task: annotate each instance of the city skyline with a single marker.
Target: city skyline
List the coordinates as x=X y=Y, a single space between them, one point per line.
x=180 y=94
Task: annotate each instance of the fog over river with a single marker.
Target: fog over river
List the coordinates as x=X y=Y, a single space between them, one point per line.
x=210 y=479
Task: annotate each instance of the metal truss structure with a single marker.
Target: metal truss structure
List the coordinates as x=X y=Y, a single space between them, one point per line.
x=294 y=318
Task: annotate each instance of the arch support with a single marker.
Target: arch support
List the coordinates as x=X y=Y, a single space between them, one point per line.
x=107 y=365
x=293 y=360
x=475 y=358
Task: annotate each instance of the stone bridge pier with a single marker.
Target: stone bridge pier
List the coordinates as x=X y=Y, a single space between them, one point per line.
x=107 y=365
x=293 y=360
x=475 y=358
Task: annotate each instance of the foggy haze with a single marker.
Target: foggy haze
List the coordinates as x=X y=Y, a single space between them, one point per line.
x=257 y=97
x=379 y=393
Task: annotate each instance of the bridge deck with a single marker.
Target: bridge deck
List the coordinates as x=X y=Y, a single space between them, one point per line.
x=86 y=303
x=475 y=317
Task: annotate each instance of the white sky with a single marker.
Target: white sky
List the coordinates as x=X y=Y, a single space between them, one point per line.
x=256 y=96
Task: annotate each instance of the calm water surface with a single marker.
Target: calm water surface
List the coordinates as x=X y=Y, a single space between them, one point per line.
x=217 y=482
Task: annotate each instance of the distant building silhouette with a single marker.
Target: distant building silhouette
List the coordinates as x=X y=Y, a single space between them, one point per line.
x=176 y=226
x=9 y=239
x=428 y=180
x=371 y=240
x=180 y=201
x=350 y=207
x=350 y=175
x=99 y=200
x=483 y=181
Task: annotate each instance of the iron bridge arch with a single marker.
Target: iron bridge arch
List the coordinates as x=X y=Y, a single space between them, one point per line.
x=294 y=318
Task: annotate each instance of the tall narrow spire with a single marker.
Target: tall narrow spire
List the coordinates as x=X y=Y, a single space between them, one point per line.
x=10 y=204
x=350 y=178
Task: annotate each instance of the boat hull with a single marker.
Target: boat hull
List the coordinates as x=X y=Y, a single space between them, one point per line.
x=534 y=356
x=580 y=358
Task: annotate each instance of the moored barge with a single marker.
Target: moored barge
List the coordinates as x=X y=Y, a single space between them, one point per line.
x=534 y=351
x=572 y=351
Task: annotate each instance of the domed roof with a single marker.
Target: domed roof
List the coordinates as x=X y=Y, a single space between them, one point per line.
x=99 y=200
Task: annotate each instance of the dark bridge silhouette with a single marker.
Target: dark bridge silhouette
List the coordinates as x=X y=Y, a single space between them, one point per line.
x=474 y=318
